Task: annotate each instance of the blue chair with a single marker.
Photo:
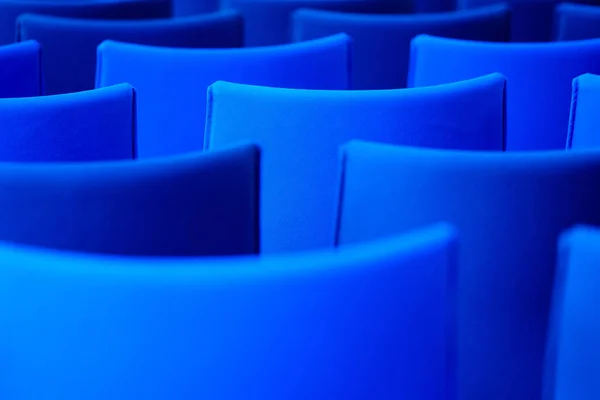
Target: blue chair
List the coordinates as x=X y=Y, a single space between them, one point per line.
x=174 y=206
x=584 y=125
x=20 y=70
x=70 y=45
x=85 y=126
x=576 y=22
x=268 y=22
x=371 y=321
x=539 y=78
x=122 y=9
x=572 y=367
x=381 y=43
x=171 y=83
x=300 y=131
x=509 y=209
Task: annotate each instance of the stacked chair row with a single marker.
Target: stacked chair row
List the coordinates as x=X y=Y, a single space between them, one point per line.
x=299 y=200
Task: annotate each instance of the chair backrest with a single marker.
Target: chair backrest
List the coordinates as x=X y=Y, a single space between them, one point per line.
x=300 y=132
x=531 y=21
x=20 y=70
x=86 y=126
x=172 y=206
x=510 y=209
x=584 y=124
x=70 y=44
x=539 y=78
x=268 y=22
x=372 y=321
x=171 y=84
x=127 y=9
x=576 y=22
x=381 y=43
x=572 y=367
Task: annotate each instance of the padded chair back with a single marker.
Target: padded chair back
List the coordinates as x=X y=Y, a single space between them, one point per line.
x=125 y=9
x=539 y=78
x=372 y=321
x=574 y=346
x=174 y=206
x=172 y=84
x=20 y=70
x=86 y=126
x=510 y=209
x=70 y=44
x=300 y=132
x=381 y=43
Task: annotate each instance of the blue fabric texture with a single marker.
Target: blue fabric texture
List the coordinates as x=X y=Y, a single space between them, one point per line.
x=576 y=22
x=508 y=241
x=127 y=9
x=70 y=43
x=85 y=126
x=300 y=133
x=572 y=362
x=381 y=43
x=172 y=83
x=299 y=199
x=199 y=323
x=173 y=206
x=21 y=70
x=537 y=83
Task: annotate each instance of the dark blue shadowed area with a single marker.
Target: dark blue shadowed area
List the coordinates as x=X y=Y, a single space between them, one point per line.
x=381 y=43
x=70 y=43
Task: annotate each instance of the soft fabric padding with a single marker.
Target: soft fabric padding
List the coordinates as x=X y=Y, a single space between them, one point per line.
x=268 y=22
x=20 y=70
x=576 y=22
x=86 y=126
x=509 y=209
x=584 y=125
x=122 y=9
x=371 y=321
x=70 y=45
x=300 y=131
x=539 y=78
x=196 y=204
x=572 y=367
x=381 y=43
x=171 y=83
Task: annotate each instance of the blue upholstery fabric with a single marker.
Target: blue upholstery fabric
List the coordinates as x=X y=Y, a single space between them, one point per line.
x=127 y=9
x=510 y=209
x=572 y=365
x=268 y=22
x=70 y=44
x=372 y=321
x=173 y=206
x=576 y=22
x=381 y=43
x=300 y=132
x=584 y=125
x=20 y=70
x=172 y=83
x=539 y=78
x=85 y=126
